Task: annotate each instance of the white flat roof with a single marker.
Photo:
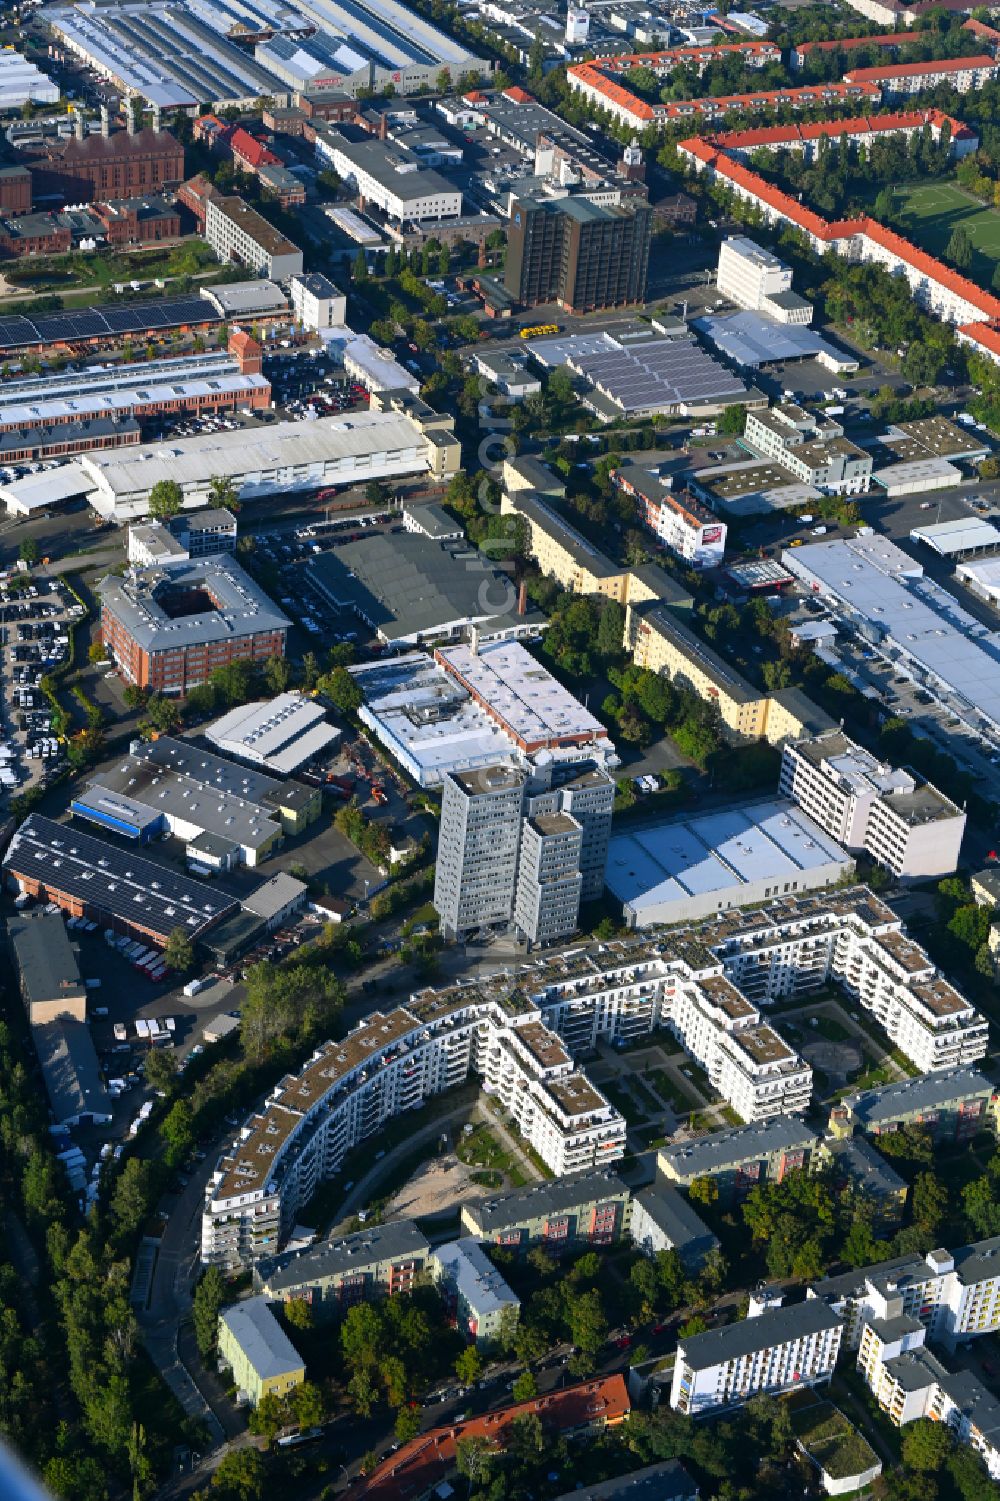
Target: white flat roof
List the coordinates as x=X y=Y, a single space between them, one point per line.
x=719 y=853
x=965 y=534
x=515 y=687
x=47 y=488
x=983 y=572
x=881 y=584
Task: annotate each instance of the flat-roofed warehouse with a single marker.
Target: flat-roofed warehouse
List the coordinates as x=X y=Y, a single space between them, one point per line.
x=409 y=589
x=281 y=458
x=172 y=55
x=685 y=869
x=648 y=376
x=110 y=884
x=751 y=340
x=875 y=585
x=279 y=735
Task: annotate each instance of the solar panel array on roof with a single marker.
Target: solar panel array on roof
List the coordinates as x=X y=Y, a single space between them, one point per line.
x=105 y=321
x=668 y=372
x=112 y=879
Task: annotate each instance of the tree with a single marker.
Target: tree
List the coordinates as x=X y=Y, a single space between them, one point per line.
x=161 y=1068
x=206 y=1305
x=473 y=1458
x=611 y=630
x=307 y=1405
x=732 y=422
x=178 y=953
x=178 y=1131
x=28 y=551
x=928 y=1203
x=222 y=492
x=277 y=674
x=704 y=1191
x=407 y=1424
x=166 y=498
x=298 y=1313
x=883 y=205
x=241 y=1475
x=359 y=267
x=469 y=1366
x=959 y=248
x=268 y=1418
x=926 y=1445
x=525 y=1388
x=343 y=691
x=132 y=1196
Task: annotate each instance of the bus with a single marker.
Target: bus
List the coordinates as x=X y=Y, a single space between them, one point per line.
x=542 y=330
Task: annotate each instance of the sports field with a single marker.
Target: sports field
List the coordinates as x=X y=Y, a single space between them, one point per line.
x=929 y=212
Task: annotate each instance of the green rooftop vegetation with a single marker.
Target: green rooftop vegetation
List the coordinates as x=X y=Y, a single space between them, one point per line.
x=832 y=1442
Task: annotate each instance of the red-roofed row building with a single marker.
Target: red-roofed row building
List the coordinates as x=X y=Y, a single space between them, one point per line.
x=418 y=1467
x=617 y=100
x=936 y=287
x=861 y=131
x=961 y=73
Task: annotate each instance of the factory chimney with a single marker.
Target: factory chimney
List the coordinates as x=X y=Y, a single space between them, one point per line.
x=474 y=641
x=105 y=121
x=157 y=118
x=130 y=124
x=522 y=599
x=78 y=126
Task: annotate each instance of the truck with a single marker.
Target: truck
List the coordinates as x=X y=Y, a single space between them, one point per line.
x=194 y=986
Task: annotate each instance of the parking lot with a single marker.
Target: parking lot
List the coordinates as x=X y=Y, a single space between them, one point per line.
x=34 y=641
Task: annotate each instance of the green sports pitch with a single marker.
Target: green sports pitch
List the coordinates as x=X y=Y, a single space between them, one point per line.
x=929 y=212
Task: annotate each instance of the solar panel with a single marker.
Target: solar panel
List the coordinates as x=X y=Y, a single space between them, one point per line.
x=16 y=331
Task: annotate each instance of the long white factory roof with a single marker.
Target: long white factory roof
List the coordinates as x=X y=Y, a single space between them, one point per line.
x=520 y=693
x=110 y=402
x=279 y=446
x=716 y=852
x=281 y=733
x=877 y=581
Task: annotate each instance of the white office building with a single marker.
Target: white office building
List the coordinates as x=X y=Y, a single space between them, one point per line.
x=316 y=302
x=756 y=280
x=906 y=825
x=777 y=1351
x=236 y=232
x=389 y=176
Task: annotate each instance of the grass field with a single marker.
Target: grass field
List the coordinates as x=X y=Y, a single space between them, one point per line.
x=929 y=212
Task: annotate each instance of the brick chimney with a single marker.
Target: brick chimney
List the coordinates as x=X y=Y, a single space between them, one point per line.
x=522 y=599
x=105 y=122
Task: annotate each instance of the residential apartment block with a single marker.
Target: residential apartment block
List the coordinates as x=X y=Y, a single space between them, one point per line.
x=955 y=1295
x=960 y=73
x=909 y=1382
x=512 y=856
x=740 y=1159
x=236 y=232
x=952 y=1104
x=583 y=1209
x=476 y=1295
x=262 y=1358
x=373 y=1263
x=387 y=1065
x=755 y=279
x=776 y=1351
x=663 y=1220
x=906 y=825
x=683 y=524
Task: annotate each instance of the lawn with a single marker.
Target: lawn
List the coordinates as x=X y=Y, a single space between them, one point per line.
x=928 y=212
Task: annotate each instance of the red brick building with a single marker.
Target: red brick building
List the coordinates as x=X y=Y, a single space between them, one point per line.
x=224 y=617
x=139 y=221
x=15 y=190
x=104 y=167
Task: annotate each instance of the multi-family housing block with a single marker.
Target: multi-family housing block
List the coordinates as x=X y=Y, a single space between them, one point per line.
x=905 y=824
x=378 y=1261
x=584 y=1209
x=476 y=1295
x=520 y=1030
x=952 y=1104
x=811 y=448
x=777 y=1350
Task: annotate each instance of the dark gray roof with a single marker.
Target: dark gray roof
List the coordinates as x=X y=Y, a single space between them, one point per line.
x=673 y=1214
x=867 y=1169
x=725 y=1149
x=852 y=1284
x=926 y=1092
x=666 y=1481
x=316 y=283
x=989 y=880
x=979 y=1261
x=70 y=1070
x=349 y=1254
x=45 y=957
x=112 y=878
x=558 y=1197
x=409 y=585
x=776 y=1326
